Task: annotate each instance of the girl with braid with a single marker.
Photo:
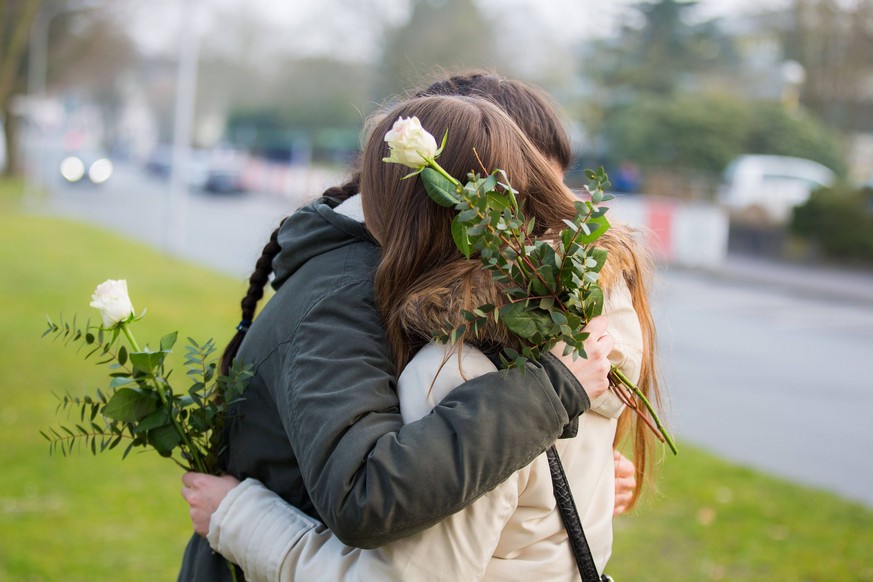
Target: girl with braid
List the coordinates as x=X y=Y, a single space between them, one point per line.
x=320 y=424
x=515 y=530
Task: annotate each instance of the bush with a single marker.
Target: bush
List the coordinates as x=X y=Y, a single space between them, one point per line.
x=839 y=221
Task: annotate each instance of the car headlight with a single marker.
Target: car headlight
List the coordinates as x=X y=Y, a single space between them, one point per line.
x=72 y=169
x=100 y=171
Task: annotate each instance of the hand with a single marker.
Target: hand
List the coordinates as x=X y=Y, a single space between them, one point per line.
x=203 y=494
x=591 y=371
x=625 y=481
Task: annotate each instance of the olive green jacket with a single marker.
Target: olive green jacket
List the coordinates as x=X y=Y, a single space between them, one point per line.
x=320 y=423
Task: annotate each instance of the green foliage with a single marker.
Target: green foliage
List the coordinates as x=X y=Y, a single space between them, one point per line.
x=139 y=406
x=547 y=281
x=839 y=220
x=550 y=282
x=705 y=133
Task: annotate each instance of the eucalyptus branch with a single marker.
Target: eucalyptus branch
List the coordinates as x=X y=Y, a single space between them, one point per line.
x=553 y=291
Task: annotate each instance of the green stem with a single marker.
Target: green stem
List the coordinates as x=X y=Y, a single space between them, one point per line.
x=434 y=165
x=192 y=452
x=232 y=569
x=631 y=386
x=129 y=336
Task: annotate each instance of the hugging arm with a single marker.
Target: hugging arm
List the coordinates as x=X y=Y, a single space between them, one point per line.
x=366 y=472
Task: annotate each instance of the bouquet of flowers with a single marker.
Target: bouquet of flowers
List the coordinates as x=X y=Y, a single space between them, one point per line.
x=550 y=284
x=139 y=406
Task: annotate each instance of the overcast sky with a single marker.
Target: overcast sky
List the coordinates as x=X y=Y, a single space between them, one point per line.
x=313 y=26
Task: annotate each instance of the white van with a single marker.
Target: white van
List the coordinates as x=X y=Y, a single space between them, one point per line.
x=771 y=184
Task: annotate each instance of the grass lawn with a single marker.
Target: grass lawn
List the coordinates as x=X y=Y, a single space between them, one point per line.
x=98 y=518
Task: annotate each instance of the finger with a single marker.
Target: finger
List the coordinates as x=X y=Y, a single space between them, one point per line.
x=605 y=344
x=597 y=326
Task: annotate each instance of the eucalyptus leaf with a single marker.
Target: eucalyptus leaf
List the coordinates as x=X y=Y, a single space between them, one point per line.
x=156 y=419
x=439 y=188
x=164 y=439
x=147 y=362
x=128 y=405
x=461 y=238
x=168 y=341
x=593 y=305
x=526 y=322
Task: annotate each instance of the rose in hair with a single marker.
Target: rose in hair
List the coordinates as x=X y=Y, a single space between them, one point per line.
x=410 y=144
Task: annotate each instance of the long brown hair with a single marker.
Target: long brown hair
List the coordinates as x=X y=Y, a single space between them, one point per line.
x=422 y=269
x=415 y=233
x=631 y=260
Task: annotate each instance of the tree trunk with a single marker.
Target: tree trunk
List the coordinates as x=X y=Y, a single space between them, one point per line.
x=10 y=139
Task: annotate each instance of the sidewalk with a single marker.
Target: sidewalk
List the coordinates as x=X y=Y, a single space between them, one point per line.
x=823 y=281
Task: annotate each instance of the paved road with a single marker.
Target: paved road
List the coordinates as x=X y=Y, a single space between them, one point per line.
x=765 y=364
x=775 y=377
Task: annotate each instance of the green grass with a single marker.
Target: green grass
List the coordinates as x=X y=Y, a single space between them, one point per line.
x=98 y=518
x=84 y=517
x=711 y=520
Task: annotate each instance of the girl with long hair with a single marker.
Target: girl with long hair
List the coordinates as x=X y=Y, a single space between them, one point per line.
x=320 y=423
x=515 y=530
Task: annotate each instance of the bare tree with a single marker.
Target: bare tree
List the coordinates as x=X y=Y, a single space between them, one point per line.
x=833 y=40
x=16 y=20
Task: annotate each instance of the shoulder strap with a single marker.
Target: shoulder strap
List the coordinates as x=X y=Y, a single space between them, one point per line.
x=570 y=516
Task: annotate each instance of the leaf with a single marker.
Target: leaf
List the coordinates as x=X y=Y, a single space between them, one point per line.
x=467 y=215
x=120 y=381
x=128 y=405
x=168 y=341
x=147 y=362
x=164 y=439
x=593 y=305
x=156 y=419
x=526 y=322
x=438 y=188
x=497 y=200
x=596 y=227
x=599 y=256
x=462 y=240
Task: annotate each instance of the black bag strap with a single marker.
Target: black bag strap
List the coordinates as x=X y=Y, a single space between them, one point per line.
x=570 y=516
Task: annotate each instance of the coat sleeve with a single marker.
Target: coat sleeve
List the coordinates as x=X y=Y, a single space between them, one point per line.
x=273 y=541
x=373 y=480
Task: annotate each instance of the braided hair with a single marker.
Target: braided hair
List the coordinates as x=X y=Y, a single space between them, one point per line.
x=264 y=270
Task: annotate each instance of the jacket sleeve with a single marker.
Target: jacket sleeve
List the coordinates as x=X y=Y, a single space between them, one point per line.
x=373 y=480
x=273 y=541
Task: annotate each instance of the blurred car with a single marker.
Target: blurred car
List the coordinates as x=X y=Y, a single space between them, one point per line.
x=771 y=184
x=218 y=170
x=224 y=174
x=86 y=167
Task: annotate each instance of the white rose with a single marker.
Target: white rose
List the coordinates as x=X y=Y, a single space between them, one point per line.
x=112 y=301
x=410 y=144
